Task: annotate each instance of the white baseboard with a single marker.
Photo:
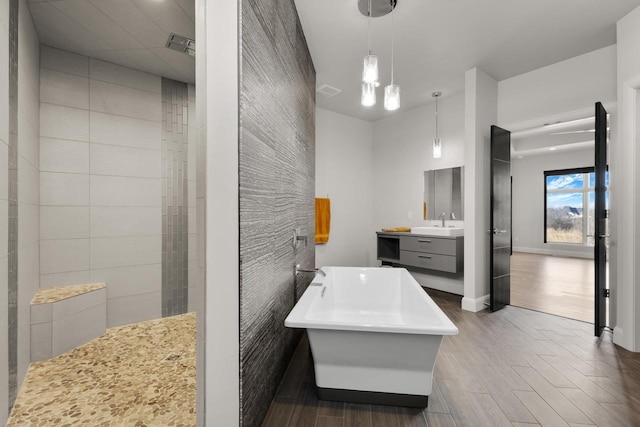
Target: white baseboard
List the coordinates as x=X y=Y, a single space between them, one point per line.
x=619 y=339
x=475 y=305
x=553 y=252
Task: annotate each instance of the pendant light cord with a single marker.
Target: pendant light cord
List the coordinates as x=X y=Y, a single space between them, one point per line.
x=393 y=7
x=437 y=117
x=369 y=30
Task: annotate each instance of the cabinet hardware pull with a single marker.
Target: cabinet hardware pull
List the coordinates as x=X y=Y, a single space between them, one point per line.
x=424 y=241
x=425 y=257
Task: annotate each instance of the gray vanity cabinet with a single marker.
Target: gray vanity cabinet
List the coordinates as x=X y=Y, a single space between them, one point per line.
x=413 y=250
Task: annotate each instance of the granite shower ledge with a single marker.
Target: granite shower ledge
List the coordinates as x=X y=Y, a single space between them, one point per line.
x=58 y=293
x=139 y=374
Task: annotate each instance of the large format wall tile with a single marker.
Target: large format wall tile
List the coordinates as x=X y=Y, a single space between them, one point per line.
x=277 y=163
x=112 y=73
x=125 y=161
x=102 y=178
x=120 y=285
x=61 y=155
x=133 y=308
x=64 y=189
x=61 y=122
x=64 y=89
x=58 y=256
x=115 y=99
x=124 y=131
x=123 y=251
x=125 y=221
x=64 y=222
x=124 y=191
x=65 y=278
x=63 y=61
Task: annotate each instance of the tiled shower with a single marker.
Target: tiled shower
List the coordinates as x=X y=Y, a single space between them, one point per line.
x=112 y=184
x=106 y=189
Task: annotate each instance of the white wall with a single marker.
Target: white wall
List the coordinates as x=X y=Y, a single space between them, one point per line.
x=558 y=89
x=481 y=103
x=625 y=181
x=101 y=180
x=528 y=201
x=344 y=173
x=402 y=151
x=4 y=209
x=217 y=185
x=28 y=180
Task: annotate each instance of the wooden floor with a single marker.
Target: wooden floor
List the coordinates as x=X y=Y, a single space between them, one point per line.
x=555 y=285
x=514 y=367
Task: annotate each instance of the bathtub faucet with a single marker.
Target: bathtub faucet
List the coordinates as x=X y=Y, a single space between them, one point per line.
x=302 y=270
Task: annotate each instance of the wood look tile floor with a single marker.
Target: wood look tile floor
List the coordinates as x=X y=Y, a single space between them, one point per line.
x=554 y=285
x=514 y=367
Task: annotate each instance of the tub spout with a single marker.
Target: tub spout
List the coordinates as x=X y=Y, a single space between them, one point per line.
x=320 y=271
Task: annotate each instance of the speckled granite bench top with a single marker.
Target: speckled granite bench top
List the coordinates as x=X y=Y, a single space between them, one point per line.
x=142 y=374
x=57 y=293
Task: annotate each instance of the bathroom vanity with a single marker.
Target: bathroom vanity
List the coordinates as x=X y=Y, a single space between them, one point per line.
x=441 y=253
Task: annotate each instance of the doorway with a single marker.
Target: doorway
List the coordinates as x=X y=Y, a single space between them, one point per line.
x=552 y=267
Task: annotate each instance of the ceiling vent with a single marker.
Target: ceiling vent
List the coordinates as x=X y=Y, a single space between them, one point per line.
x=182 y=44
x=328 y=91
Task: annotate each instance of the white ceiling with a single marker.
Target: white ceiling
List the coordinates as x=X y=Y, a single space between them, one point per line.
x=438 y=40
x=132 y=33
x=568 y=135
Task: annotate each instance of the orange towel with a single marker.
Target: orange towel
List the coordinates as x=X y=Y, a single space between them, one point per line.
x=397 y=230
x=323 y=220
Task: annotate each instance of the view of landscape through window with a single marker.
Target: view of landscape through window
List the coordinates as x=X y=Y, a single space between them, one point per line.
x=570 y=204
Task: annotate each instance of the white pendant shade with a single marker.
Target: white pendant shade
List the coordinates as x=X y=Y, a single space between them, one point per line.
x=392 y=97
x=370 y=69
x=368 y=97
x=437 y=148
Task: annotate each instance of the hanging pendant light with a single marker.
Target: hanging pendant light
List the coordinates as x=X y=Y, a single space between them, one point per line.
x=370 y=62
x=437 y=144
x=392 y=91
x=370 y=69
x=368 y=98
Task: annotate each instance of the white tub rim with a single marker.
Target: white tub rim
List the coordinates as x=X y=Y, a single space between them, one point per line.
x=297 y=318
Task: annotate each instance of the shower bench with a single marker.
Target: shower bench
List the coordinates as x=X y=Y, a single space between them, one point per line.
x=65 y=317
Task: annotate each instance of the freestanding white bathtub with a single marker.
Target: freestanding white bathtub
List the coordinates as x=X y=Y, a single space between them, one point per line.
x=374 y=335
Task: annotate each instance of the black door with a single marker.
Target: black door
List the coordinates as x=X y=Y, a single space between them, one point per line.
x=500 y=220
x=600 y=224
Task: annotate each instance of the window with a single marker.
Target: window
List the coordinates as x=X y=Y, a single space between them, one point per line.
x=569 y=204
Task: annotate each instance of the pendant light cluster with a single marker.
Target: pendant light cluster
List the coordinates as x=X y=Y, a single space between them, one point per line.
x=370 y=72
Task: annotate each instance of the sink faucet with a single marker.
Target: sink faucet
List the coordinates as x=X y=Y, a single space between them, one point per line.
x=453 y=216
x=442 y=217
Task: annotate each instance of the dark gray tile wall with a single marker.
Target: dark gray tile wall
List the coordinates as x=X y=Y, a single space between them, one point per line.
x=277 y=186
x=175 y=203
x=13 y=202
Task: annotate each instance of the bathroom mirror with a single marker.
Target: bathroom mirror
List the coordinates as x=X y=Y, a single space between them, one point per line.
x=444 y=192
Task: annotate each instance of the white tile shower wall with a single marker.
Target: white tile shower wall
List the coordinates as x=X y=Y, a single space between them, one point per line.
x=100 y=149
x=196 y=276
x=28 y=180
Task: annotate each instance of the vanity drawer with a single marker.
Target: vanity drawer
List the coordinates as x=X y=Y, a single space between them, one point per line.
x=432 y=245
x=430 y=261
